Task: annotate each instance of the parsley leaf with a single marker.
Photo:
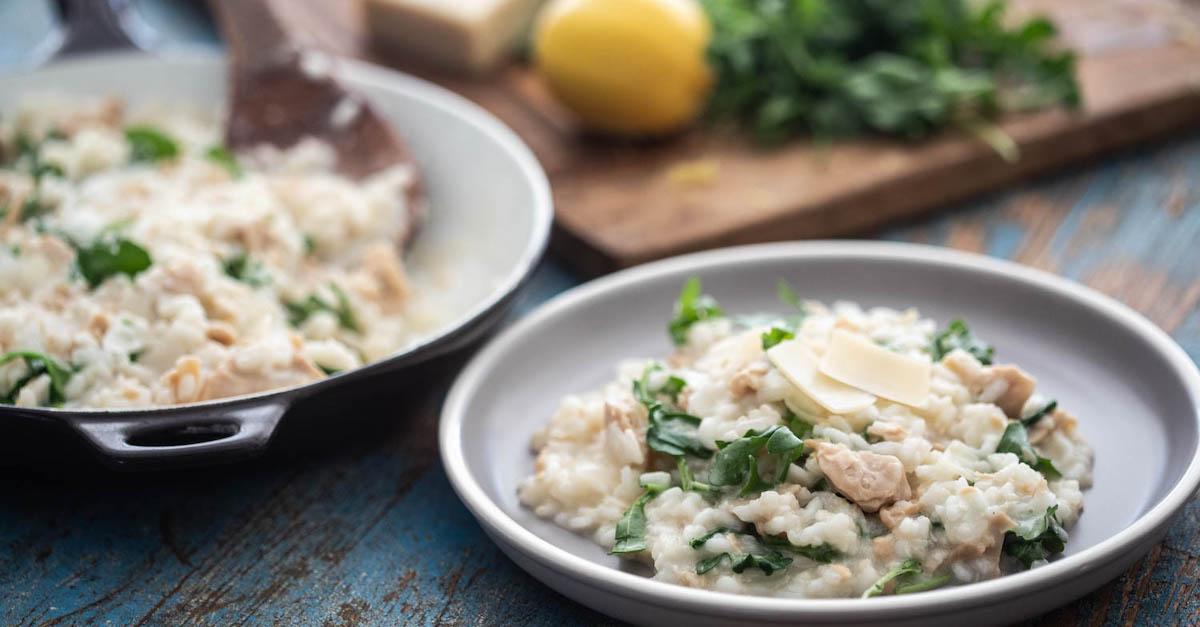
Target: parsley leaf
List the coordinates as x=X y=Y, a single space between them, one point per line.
x=222 y=157
x=108 y=256
x=901 y=68
x=149 y=144
x=242 y=268
x=300 y=311
x=37 y=364
x=957 y=335
x=692 y=307
x=1036 y=540
x=775 y=336
x=1015 y=440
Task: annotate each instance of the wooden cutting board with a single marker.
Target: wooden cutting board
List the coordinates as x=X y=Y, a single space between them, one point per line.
x=620 y=203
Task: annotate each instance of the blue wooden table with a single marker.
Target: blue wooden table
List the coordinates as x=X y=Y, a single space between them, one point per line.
x=357 y=524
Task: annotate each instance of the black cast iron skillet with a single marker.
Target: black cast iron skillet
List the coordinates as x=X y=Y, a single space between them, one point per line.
x=237 y=427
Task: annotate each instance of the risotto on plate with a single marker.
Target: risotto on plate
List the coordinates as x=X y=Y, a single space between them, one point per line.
x=832 y=451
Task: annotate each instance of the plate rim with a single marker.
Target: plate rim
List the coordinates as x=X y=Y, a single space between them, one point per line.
x=495 y=521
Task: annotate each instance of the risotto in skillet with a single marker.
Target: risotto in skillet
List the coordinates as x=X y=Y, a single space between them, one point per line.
x=141 y=263
x=831 y=452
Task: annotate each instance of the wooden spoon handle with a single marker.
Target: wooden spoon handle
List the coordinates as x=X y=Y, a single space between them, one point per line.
x=254 y=33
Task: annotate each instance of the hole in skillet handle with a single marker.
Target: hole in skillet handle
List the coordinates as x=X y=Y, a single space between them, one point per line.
x=176 y=436
x=179 y=435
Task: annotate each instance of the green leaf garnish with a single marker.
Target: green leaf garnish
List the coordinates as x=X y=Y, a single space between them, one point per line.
x=1036 y=540
x=300 y=311
x=736 y=462
x=108 y=256
x=222 y=157
x=767 y=553
x=692 y=307
x=242 y=268
x=37 y=365
x=957 y=335
x=910 y=566
x=775 y=336
x=669 y=432
x=1015 y=440
x=1046 y=410
x=631 y=528
x=147 y=144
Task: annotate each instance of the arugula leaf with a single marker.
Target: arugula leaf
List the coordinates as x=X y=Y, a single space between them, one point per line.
x=736 y=462
x=148 y=144
x=108 y=256
x=1039 y=414
x=669 y=432
x=753 y=483
x=783 y=441
x=692 y=307
x=910 y=566
x=673 y=387
x=631 y=528
x=729 y=464
x=246 y=270
x=957 y=335
x=222 y=157
x=769 y=563
x=687 y=481
x=1015 y=440
x=329 y=371
x=300 y=311
x=931 y=583
x=699 y=541
x=37 y=365
x=767 y=555
x=775 y=336
x=1036 y=540
x=901 y=68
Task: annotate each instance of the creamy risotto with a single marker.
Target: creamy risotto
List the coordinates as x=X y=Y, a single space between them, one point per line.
x=832 y=452
x=141 y=263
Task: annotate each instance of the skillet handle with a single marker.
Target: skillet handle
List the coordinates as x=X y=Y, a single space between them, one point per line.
x=181 y=435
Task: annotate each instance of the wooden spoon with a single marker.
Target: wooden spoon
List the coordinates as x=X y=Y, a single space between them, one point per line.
x=282 y=90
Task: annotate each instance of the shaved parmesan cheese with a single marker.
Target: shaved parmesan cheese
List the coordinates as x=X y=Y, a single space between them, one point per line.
x=799 y=366
x=857 y=361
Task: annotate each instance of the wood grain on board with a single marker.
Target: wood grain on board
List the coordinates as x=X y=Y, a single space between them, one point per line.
x=622 y=203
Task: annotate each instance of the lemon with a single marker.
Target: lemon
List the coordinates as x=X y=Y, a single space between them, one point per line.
x=631 y=67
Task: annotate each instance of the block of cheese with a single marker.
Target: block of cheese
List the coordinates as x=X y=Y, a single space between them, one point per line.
x=464 y=35
x=798 y=364
x=863 y=364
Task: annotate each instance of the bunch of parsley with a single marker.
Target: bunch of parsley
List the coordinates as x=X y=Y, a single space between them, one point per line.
x=901 y=68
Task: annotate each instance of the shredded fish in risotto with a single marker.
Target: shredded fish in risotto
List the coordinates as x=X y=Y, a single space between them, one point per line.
x=833 y=452
x=142 y=263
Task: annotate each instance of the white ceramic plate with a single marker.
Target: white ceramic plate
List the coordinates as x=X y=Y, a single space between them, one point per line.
x=489 y=220
x=1136 y=393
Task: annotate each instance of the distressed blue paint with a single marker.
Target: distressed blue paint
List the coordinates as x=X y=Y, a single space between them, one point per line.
x=1004 y=238
x=367 y=529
